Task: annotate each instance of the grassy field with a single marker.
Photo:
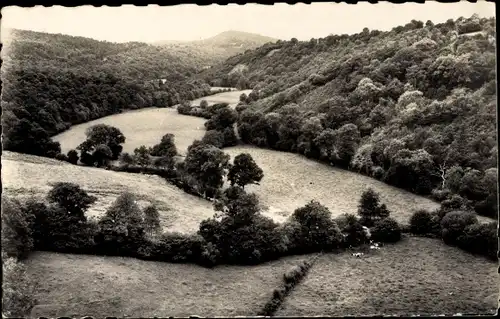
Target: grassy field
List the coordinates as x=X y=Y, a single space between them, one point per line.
x=232 y=98
x=291 y=180
x=217 y=88
x=25 y=175
x=147 y=126
x=141 y=127
x=81 y=285
x=417 y=276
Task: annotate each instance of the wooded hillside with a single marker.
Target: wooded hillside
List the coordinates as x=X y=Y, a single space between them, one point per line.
x=53 y=81
x=414 y=106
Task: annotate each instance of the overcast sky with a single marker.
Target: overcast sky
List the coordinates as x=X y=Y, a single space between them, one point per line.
x=192 y=22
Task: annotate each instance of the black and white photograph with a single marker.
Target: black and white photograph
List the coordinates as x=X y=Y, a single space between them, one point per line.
x=322 y=159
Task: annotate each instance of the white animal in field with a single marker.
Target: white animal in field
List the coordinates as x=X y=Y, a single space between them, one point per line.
x=357 y=255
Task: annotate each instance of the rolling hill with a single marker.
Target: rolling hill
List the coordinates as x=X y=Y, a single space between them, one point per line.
x=221 y=46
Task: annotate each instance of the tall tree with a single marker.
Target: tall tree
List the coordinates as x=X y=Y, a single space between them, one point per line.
x=166 y=147
x=103 y=134
x=244 y=171
x=208 y=165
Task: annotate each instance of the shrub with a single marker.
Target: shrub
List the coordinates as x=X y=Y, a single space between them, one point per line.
x=296 y=273
x=62 y=232
x=370 y=209
x=244 y=171
x=378 y=172
x=422 y=222
x=166 y=147
x=126 y=159
x=121 y=229
x=480 y=239
x=203 y=104
x=18 y=290
x=151 y=220
x=454 y=223
x=210 y=255
x=141 y=156
x=73 y=157
x=102 y=155
x=72 y=198
x=230 y=138
x=61 y=157
x=240 y=108
x=213 y=137
x=17 y=236
x=86 y=158
x=440 y=194
x=290 y=279
x=164 y=162
x=455 y=202
x=172 y=247
x=314 y=230
x=184 y=108
x=352 y=230
x=386 y=230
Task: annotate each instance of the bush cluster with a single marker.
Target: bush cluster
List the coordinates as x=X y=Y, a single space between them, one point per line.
x=237 y=234
x=386 y=230
x=17 y=229
x=290 y=279
x=458 y=228
x=18 y=289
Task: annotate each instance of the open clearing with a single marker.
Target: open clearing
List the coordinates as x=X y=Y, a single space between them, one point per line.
x=416 y=276
x=232 y=98
x=27 y=175
x=147 y=126
x=83 y=285
x=291 y=180
x=141 y=127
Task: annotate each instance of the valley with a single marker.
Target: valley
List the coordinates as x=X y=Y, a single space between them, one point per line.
x=290 y=180
x=349 y=175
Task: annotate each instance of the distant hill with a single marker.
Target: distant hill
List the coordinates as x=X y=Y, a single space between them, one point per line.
x=142 y=60
x=222 y=46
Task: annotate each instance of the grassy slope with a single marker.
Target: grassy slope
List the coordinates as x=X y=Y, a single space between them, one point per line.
x=291 y=180
x=226 y=97
x=24 y=175
x=147 y=126
x=418 y=275
x=141 y=127
x=78 y=285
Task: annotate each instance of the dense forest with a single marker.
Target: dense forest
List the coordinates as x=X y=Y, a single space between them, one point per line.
x=53 y=81
x=414 y=106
